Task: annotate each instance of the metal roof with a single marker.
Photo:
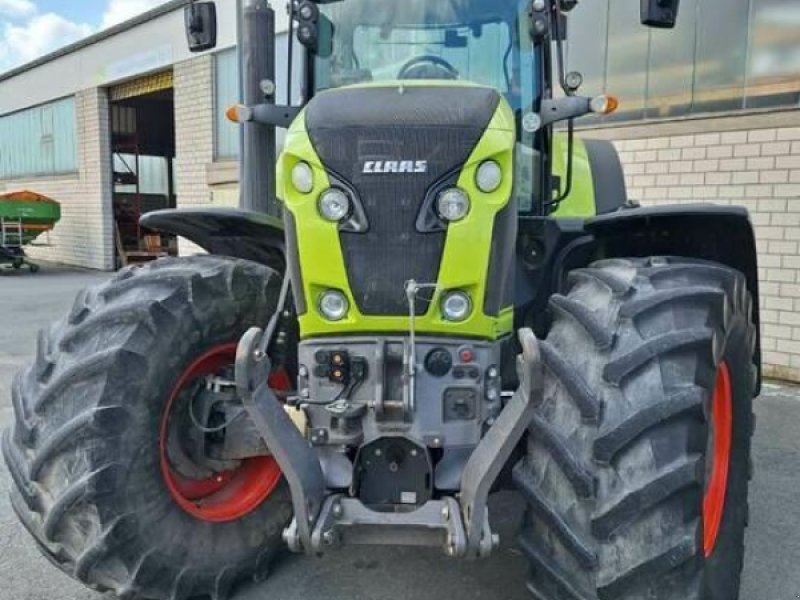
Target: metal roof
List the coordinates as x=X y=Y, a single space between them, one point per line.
x=165 y=8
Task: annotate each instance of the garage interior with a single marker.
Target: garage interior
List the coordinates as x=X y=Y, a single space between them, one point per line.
x=143 y=155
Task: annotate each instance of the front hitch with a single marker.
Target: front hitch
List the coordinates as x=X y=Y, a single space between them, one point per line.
x=495 y=449
x=297 y=460
x=323 y=519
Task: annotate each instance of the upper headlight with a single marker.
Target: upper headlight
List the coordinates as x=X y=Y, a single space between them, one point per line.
x=453 y=204
x=303 y=177
x=489 y=176
x=334 y=205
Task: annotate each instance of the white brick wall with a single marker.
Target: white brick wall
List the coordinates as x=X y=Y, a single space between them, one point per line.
x=194 y=135
x=756 y=166
x=84 y=236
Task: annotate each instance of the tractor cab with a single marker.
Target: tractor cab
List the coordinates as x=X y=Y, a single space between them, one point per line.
x=445 y=45
x=480 y=41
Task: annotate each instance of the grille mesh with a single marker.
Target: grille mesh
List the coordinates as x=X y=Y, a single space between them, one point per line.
x=392 y=251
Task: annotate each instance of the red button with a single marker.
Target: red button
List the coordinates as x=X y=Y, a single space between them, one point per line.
x=465 y=355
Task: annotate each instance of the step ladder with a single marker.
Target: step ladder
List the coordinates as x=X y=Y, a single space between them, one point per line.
x=11 y=233
x=12 y=240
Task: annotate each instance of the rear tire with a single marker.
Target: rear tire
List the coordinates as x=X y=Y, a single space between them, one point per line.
x=84 y=451
x=621 y=451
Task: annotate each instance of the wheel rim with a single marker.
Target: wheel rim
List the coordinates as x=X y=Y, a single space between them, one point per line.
x=229 y=495
x=722 y=441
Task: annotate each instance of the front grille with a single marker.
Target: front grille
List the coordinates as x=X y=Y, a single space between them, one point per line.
x=392 y=251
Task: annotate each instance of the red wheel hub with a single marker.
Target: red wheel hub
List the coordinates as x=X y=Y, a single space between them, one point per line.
x=717 y=487
x=229 y=495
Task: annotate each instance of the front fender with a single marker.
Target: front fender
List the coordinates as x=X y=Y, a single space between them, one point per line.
x=225 y=232
x=718 y=233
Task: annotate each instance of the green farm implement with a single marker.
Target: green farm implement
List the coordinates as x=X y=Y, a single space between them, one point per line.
x=24 y=218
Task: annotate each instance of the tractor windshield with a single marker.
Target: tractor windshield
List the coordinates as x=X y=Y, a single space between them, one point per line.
x=481 y=41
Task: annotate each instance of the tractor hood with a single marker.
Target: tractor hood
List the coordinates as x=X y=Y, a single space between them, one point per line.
x=393 y=149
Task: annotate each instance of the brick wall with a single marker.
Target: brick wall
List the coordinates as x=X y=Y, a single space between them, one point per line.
x=84 y=236
x=194 y=135
x=749 y=161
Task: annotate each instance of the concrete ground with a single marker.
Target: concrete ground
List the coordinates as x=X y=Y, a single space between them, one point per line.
x=29 y=302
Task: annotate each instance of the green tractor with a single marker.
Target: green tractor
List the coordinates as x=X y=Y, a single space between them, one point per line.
x=460 y=299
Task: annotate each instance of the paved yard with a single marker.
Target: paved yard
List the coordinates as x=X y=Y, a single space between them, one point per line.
x=772 y=570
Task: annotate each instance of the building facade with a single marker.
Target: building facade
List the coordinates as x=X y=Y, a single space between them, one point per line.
x=710 y=113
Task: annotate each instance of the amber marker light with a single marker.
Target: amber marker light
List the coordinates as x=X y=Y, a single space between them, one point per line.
x=604 y=105
x=239 y=113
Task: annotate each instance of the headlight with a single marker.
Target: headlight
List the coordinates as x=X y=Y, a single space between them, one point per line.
x=334 y=205
x=453 y=204
x=489 y=177
x=303 y=178
x=456 y=306
x=334 y=305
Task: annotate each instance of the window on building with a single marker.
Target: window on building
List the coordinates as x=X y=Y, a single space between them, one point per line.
x=721 y=58
x=39 y=141
x=671 y=65
x=626 y=62
x=773 y=69
x=586 y=53
x=723 y=55
x=227 y=93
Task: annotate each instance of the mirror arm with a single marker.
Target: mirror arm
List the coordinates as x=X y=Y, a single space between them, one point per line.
x=273 y=115
x=554 y=110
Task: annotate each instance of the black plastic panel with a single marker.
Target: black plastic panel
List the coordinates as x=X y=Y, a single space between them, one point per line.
x=353 y=131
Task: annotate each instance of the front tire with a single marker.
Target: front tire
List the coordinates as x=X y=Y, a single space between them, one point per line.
x=86 y=452
x=638 y=458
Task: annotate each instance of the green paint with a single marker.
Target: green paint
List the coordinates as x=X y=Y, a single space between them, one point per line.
x=580 y=202
x=30 y=212
x=467 y=248
x=36 y=216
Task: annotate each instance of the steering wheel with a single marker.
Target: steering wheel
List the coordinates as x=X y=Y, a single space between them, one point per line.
x=446 y=70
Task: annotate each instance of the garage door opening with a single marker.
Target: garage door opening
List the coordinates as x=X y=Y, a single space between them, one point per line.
x=143 y=155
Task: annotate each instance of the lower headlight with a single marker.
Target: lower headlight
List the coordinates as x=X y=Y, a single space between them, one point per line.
x=456 y=306
x=333 y=305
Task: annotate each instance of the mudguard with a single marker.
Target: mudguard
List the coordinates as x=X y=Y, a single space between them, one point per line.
x=548 y=249
x=225 y=232
x=723 y=234
x=719 y=233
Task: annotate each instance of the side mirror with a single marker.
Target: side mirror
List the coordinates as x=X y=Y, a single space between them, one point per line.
x=660 y=13
x=201 y=26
